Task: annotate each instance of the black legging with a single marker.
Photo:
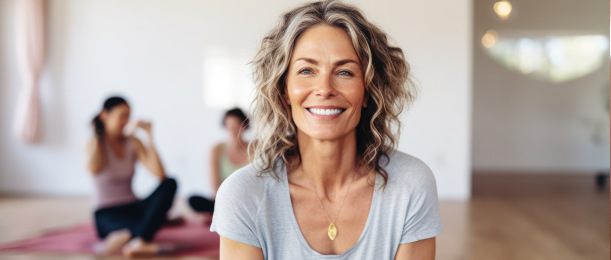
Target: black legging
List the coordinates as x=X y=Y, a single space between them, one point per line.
x=201 y=204
x=143 y=218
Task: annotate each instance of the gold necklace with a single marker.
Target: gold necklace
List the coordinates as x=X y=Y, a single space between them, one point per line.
x=332 y=230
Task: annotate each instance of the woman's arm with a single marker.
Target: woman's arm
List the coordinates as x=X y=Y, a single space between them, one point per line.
x=231 y=249
x=418 y=250
x=215 y=174
x=148 y=155
x=95 y=161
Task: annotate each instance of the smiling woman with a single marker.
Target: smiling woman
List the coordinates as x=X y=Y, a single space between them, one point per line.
x=325 y=85
x=326 y=181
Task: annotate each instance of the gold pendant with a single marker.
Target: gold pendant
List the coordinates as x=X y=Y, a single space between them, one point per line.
x=332 y=231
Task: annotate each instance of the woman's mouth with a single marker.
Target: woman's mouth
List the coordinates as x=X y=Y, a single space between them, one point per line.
x=325 y=112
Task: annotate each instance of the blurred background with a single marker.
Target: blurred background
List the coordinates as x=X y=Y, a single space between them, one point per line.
x=512 y=113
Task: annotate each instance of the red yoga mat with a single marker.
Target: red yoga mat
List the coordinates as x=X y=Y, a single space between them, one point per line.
x=190 y=239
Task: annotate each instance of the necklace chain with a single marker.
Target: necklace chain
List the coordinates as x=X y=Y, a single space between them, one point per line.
x=322 y=206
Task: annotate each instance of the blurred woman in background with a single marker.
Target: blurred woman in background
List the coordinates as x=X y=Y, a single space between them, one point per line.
x=122 y=220
x=226 y=158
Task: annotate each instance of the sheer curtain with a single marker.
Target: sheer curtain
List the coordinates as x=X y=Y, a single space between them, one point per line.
x=30 y=22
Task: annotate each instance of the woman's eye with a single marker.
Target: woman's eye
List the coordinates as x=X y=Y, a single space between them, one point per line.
x=345 y=73
x=304 y=71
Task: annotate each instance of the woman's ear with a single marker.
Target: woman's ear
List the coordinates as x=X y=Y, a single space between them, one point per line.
x=285 y=97
x=365 y=100
x=103 y=115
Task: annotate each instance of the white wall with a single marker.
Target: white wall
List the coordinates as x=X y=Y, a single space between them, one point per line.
x=153 y=52
x=524 y=124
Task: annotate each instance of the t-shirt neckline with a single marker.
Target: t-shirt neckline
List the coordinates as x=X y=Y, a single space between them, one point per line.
x=297 y=229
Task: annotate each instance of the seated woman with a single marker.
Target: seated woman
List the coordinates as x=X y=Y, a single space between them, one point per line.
x=326 y=180
x=225 y=158
x=121 y=219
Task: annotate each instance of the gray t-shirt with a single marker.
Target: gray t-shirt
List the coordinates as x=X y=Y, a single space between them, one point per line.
x=257 y=210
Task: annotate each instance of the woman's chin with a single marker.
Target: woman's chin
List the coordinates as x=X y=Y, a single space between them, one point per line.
x=326 y=135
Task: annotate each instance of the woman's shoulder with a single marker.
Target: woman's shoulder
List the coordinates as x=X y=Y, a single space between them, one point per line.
x=412 y=190
x=218 y=147
x=244 y=184
x=215 y=151
x=134 y=140
x=237 y=205
x=409 y=170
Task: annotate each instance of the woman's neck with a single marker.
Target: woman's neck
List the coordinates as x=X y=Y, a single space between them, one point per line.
x=236 y=142
x=115 y=138
x=328 y=165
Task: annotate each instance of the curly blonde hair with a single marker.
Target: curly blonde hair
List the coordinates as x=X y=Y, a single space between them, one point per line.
x=385 y=77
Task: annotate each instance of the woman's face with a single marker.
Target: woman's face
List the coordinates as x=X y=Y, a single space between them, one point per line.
x=324 y=84
x=116 y=119
x=233 y=124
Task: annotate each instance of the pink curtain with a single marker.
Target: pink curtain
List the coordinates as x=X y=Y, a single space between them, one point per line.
x=30 y=50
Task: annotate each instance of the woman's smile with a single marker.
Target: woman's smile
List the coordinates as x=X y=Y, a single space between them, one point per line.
x=324 y=112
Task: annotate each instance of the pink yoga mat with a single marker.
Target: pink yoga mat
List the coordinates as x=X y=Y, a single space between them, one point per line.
x=190 y=239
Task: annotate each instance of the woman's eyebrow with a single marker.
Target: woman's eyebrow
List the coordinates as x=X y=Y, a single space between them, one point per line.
x=345 y=61
x=337 y=63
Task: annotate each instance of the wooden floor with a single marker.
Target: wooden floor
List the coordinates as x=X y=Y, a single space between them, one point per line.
x=551 y=217
x=510 y=217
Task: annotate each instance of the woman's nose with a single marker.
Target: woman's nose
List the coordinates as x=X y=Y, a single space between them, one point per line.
x=324 y=85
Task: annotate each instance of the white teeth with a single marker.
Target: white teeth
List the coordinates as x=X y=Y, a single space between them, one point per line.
x=325 y=112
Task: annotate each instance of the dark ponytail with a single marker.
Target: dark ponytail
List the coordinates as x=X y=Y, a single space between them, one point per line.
x=109 y=104
x=98 y=126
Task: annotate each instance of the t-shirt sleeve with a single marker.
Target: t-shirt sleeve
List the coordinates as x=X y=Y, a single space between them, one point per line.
x=422 y=219
x=235 y=209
